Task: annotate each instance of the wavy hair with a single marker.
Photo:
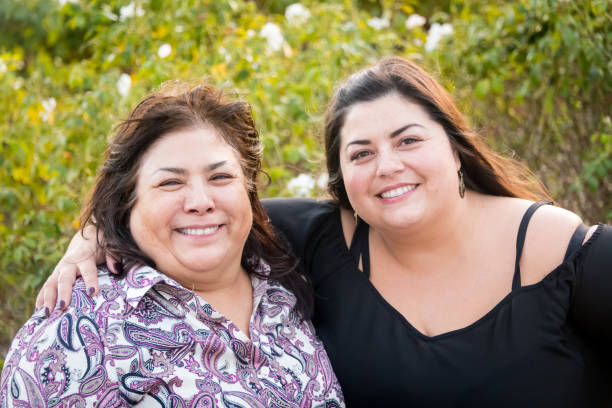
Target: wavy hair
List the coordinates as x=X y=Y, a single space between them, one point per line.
x=484 y=170
x=177 y=106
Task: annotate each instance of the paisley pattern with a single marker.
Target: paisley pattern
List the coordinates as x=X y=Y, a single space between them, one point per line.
x=145 y=340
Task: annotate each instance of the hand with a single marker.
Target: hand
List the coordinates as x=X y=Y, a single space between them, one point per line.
x=81 y=259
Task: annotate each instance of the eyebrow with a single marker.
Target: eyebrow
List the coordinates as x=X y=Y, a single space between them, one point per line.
x=393 y=134
x=178 y=170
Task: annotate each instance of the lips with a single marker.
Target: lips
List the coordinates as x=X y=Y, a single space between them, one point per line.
x=397 y=191
x=199 y=231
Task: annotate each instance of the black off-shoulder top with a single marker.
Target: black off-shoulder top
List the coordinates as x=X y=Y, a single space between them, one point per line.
x=547 y=344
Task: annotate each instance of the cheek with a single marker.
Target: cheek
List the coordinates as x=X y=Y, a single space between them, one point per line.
x=151 y=218
x=348 y=178
x=240 y=205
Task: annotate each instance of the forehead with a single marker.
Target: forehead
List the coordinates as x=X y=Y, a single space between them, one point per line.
x=383 y=115
x=200 y=144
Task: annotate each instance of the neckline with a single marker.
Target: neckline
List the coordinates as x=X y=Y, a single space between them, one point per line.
x=455 y=332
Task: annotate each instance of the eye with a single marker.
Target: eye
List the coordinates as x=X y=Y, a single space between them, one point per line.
x=169 y=183
x=221 y=177
x=360 y=155
x=409 y=140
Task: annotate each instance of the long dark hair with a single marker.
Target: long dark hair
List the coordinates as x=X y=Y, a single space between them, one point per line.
x=484 y=170
x=175 y=107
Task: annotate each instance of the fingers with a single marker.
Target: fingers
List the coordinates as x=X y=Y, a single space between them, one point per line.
x=66 y=277
x=113 y=265
x=80 y=259
x=50 y=283
x=89 y=271
x=49 y=294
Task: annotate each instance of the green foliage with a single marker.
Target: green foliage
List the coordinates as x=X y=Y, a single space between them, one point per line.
x=534 y=75
x=546 y=66
x=59 y=99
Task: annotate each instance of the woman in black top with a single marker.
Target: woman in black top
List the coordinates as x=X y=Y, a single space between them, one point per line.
x=437 y=282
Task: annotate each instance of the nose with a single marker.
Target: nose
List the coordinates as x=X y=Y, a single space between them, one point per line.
x=198 y=199
x=389 y=163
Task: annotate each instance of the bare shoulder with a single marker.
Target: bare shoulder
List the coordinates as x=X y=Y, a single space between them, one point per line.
x=548 y=235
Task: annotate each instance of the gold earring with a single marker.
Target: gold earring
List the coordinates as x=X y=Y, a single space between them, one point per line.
x=461 y=184
x=355 y=216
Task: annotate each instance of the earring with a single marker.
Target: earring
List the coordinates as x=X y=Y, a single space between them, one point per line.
x=355 y=216
x=461 y=184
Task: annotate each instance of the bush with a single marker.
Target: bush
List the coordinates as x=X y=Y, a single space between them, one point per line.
x=536 y=77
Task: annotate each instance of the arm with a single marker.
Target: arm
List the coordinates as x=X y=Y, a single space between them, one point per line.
x=59 y=361
x=592 y=304
x=295 y=218
x=80 y=258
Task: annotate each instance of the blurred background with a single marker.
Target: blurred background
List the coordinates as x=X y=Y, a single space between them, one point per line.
x=533 y=76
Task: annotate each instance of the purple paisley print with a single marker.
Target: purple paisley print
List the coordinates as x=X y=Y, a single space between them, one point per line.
x=144 y=340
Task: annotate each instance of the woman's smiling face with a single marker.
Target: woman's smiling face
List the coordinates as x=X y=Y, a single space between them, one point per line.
x=192 y=214
x=397 y=163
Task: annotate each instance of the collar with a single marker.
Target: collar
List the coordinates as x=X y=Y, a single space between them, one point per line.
x=140 y=279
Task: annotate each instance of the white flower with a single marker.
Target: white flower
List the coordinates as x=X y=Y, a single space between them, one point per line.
x=415 y=20
x=3 y=67
x=296 y=14
x=63 y=2
x=435 y=34
x=273 y=36
x=18 y=83
x=250 y=33
x=322 y=181
x=179 y=28
x=130 y=10
x=164 y=50
x=124 y=84
x=49 y=104
x=378 y=23
x=301 y=185
x=48 y=108
x=226 y=55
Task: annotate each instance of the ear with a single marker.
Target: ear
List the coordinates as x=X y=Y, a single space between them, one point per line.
x=457 y=159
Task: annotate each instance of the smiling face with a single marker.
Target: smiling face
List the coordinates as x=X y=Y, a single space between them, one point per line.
x=192 y=214
x=397 y=163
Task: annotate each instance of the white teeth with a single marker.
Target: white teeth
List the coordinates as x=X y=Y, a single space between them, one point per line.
x=398 y=191
x=198 y=231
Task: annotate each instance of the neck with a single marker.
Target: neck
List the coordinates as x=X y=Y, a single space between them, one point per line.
x=223 y=279
x=434 y=241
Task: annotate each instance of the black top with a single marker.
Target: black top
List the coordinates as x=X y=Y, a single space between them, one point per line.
x=543 y=345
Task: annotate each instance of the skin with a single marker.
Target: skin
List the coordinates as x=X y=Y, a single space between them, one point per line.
x=192 y=217
x=421 y=261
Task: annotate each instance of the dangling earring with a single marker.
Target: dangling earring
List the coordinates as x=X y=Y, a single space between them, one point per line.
x=355 y=216
x=461 y=184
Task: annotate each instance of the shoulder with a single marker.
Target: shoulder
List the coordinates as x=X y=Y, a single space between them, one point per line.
x=64 y=352
x=599 y=254
x=282 y=209
x=299 y=219
x=548 y=234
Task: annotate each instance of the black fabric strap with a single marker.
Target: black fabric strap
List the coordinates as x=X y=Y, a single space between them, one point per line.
x=360 y=246
x=576 y=240
x=520 y=241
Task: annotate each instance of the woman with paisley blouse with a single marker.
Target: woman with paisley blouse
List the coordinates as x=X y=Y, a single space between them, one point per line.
x=441 y=279
x=210 y=310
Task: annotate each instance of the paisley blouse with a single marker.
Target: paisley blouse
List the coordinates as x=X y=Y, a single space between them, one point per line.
x=145 y=340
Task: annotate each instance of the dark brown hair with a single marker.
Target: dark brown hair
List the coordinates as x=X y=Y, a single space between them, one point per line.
x=484 y=170
x=175 y=107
